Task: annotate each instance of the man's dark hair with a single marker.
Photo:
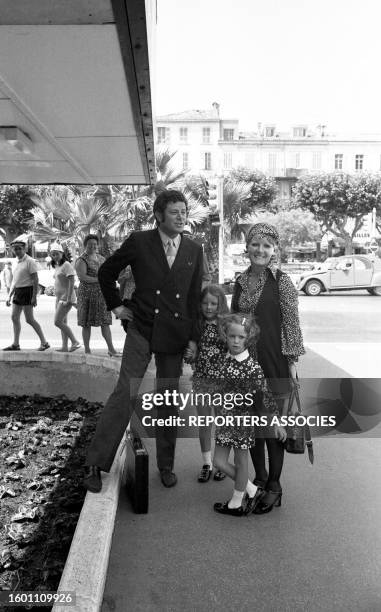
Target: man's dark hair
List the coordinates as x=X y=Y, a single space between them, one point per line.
x=166 y=197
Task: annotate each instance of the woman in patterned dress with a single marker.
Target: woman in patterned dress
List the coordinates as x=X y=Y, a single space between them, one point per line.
x=245 y=394
x=269 y=294
x=91 y=307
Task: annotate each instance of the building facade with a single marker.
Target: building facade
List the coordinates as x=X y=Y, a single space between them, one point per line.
x=209 y=145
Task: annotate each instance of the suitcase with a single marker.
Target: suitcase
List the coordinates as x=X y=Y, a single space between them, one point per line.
x=137 y=472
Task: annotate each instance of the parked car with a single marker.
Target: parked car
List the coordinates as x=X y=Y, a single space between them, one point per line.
x=344 y=273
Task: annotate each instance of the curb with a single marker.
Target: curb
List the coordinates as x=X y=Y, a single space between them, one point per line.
x=85 y=571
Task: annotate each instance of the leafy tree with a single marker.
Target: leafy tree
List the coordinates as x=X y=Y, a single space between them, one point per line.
x=339 y=201
x=15 y=210
x=263 y=189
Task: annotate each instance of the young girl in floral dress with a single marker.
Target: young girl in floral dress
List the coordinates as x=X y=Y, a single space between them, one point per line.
x=210 y=348
x=239 y=373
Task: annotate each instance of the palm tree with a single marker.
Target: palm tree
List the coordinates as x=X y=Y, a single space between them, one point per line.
x=69 y=213
x=236 y=216
x=237 y=213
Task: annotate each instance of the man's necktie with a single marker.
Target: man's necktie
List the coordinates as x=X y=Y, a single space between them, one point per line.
x=171 y=252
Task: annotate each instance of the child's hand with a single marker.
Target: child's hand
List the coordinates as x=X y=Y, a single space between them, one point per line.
x=189 y=355
x=280 y=433
x=190 y=352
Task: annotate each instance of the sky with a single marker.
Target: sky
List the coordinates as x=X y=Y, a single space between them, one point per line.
x=272 y=61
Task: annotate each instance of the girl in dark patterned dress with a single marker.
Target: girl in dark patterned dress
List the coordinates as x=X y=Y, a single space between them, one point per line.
x=209 y=350
x=269 y=294
x=245 y=393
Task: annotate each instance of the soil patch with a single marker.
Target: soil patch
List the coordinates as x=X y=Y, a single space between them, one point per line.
x=42 y=447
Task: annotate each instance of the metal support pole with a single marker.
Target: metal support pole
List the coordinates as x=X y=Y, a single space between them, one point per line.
x=373 y=228
x=220 y=207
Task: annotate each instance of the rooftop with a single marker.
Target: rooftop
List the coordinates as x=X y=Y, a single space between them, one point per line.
x=191 y=115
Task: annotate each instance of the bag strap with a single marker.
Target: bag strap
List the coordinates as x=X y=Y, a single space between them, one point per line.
x=297 y=397
x=294 y=395
x=291 y=401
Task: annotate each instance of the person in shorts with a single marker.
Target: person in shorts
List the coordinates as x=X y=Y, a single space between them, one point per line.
x=23 y=296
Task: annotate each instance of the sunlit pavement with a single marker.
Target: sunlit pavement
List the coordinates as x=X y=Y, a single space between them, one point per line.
x=343 y=328
x=319 y=551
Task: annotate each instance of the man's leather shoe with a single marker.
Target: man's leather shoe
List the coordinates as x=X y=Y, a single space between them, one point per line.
x=168 y=478
x=92 y=481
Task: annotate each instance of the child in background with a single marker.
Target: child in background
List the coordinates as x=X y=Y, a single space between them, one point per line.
x=239 y=373
x=209 y=351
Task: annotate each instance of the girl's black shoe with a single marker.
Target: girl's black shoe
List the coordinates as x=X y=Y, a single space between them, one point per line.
x=205 y=473
x=218 y=475
x=268 y=501
x=252 y=502
x=223 y=508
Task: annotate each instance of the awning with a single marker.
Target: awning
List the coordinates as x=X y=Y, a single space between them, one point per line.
x=75 y=91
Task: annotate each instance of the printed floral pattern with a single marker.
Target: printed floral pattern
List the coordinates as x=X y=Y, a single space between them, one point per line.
x=210 y=351
x=91 y=307
x=245 y=301
x=242 y=377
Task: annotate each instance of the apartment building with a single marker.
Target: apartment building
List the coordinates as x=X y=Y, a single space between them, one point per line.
x=207 y=144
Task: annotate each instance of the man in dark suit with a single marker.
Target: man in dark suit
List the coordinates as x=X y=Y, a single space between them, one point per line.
x=167 y=269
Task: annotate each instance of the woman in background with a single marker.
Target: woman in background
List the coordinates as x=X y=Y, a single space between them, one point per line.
x=91 y=307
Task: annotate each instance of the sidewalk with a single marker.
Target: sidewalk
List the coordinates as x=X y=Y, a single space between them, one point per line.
x=319 y=551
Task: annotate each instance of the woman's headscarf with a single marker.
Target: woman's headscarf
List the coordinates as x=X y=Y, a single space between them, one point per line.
x=263 y=230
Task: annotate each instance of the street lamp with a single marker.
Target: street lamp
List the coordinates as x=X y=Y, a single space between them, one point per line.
x=220 y=208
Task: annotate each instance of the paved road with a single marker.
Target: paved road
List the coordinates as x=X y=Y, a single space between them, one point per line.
x=343 y=317
x=44 y=313
x=343 y=329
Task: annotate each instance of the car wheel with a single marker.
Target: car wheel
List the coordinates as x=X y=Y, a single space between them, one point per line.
x=313 y=287
x=375 y=291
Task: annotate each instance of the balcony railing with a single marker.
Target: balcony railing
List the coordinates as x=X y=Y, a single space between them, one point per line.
x=286 y=172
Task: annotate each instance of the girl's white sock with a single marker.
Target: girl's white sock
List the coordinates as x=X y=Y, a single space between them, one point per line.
x=207 y=458
x=236 y=500
x=251 y=489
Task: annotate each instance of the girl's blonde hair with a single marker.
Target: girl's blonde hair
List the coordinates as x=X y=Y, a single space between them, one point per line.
x=246 y=320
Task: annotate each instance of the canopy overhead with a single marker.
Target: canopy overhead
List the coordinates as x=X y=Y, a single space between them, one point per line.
x=75 y=91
